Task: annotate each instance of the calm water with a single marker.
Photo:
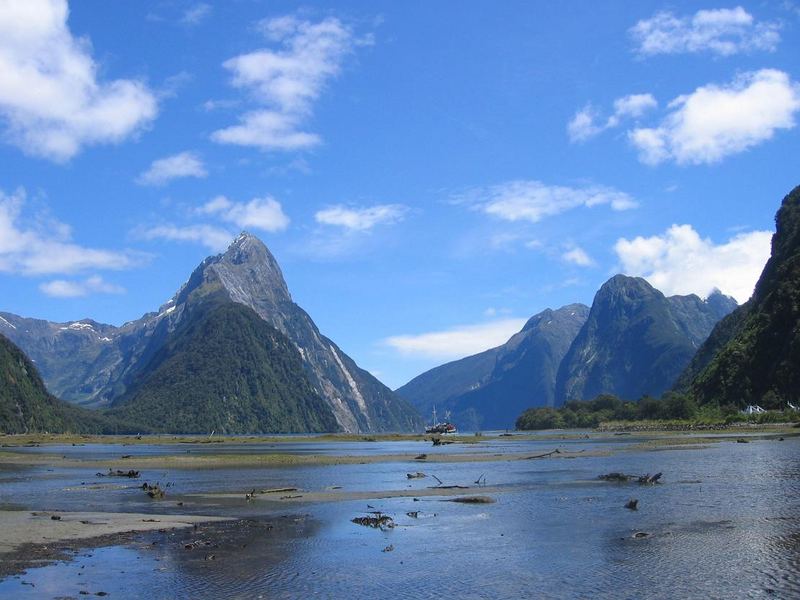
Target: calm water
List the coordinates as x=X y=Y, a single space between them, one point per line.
x=725 y=523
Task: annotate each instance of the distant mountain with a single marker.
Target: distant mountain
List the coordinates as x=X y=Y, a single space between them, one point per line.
x=490 y=389
x=753 y=355
x=101 y=365
x=26 y=406
x=636 y=341
x=226 y=370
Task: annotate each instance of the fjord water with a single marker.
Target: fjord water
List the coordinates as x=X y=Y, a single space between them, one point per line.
x=724 y=523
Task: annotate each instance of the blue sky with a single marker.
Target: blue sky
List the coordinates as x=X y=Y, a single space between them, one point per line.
x=428 y=175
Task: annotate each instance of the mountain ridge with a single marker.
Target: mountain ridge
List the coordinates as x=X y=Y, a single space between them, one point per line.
x=96 y=365
x=753 y=355
x=636 y=341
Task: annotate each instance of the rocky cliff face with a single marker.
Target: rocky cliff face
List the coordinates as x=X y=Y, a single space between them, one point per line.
x=490 y=389
x=96 y=365
x=636 y=341
x=753 y=355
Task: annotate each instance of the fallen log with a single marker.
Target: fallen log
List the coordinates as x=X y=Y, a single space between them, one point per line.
x=379 y=521
x=556 y=451
x=623 y=478
x=132 y=474
x=154 y=491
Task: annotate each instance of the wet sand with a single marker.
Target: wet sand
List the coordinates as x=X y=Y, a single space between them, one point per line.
x=30 y=537
x=35 y=538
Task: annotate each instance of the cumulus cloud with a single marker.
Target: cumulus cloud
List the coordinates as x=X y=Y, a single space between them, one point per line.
x=51 y=101
x=286 y=81
x=260 y=213
x=196 y=13
x=716 y=121
x=361 y=219
x=456 y=342
x=587 y=122
x=578 y=256
x=529 y=200
x=214 y=238
x=723 y=31
x=43 y=246
x=164 y=170
x=61 y=288
x=679 y=261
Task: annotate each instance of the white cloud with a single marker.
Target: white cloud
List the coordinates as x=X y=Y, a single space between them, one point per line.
x=215 y=238
x=286 y=82
x=584 y=124
x=527 y=200
x=457 y=342
x=163 y=170
x=724 y=31
x=51 y=101
x=578 y=256
x=681 y=262
x=361 y=219
x=44 y=246
x=260 y=213
x=634 y=105
x=61 y=288
x=196 y=13
x=716 y=121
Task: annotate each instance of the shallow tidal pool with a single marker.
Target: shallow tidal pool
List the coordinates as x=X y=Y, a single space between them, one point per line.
x=724 y=522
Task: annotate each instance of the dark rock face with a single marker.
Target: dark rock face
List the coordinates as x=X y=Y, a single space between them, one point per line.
x=490 y=389
x=96 y=365
x=753 y=355
x=636 y=341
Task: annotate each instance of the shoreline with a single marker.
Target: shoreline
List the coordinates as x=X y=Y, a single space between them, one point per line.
x=11 y=440
x=34 y=538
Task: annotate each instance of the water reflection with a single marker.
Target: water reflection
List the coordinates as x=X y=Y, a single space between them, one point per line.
x=723 y=524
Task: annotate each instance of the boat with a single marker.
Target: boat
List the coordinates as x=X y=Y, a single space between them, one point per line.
x=444 y=427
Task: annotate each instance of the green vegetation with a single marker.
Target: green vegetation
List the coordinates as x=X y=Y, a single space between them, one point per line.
x=26 y=406
x=673 y=409
x=226 y=370
x=754 y=355
x=636 y=341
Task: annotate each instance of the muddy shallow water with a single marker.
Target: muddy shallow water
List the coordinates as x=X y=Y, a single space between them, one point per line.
x=724 y=523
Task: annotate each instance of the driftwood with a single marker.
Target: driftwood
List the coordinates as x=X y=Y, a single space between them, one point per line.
x=623 y=478
x=154 y=491
x=437 y=441
x=119 y=473
x=556 y=451
x=279 y=490
x=378 y=521
x=650 y=479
